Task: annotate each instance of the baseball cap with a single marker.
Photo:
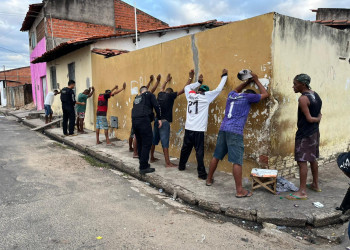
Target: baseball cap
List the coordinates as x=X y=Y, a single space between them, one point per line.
x=244 y=74
x=204 y=88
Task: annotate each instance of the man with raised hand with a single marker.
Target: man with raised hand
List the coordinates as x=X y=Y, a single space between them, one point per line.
x=230 y=138
x=82 y=98
x=101 y=115
x=166 y=98
x=197 y=121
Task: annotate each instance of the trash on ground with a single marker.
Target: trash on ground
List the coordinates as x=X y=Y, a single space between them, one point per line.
x=147 y=183
x=99 y=237
x=281 y=227
x=281 y=197
x=203 y=238
x=299 y=238
x=160 y=190
x=296 y=205
x=284 y=185
x=318 y=204
x=243 y=221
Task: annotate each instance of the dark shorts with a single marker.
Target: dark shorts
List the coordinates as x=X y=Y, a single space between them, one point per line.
x=231 y=144
x=161 y=134
x=48 y=110
x=307 y=149
x=132 y=133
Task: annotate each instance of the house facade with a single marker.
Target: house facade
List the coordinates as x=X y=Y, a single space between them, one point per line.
x=15 y=87
x=53 y=22
x=78 y=53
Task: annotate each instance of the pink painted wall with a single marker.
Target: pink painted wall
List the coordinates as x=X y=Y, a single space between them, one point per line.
x=38 y=71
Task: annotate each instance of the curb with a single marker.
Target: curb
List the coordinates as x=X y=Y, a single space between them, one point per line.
x=297 y=219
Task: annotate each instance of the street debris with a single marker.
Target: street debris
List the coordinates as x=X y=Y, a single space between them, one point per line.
x=161 y=190
x=99 y=237
x=318 y=204
x=296 y=205
x=203 y=238
x=281 y=227
x=299 y=238
x=284 y=186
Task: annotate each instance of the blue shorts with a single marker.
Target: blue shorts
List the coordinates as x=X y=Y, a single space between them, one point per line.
x=48 y=110
x=161 y=134
x=101 y=122
x=231 y=144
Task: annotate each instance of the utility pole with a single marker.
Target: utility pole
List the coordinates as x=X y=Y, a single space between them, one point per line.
x=137 y=42
x=5 y=78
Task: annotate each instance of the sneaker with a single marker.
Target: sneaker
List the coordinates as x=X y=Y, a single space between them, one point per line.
x=147 y=170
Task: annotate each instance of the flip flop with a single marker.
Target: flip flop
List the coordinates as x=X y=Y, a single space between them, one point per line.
x=249 y=194
x=309 y=186
x=294 y=197
x=209 y=183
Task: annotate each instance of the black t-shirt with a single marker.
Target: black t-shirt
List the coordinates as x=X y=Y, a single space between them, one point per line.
x=166 y=103
x=67 y=98
x=305 y=128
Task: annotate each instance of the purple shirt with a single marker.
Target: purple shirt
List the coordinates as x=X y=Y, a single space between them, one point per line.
x=237 y=110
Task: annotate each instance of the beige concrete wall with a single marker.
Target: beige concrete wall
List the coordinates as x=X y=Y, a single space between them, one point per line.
x=244 y=44
x=304 y=47
x=83 y=76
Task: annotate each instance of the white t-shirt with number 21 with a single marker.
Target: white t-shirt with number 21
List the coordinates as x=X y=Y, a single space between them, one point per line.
x=198 y=105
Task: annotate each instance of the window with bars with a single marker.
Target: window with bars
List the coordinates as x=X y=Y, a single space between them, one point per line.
x=53 y=77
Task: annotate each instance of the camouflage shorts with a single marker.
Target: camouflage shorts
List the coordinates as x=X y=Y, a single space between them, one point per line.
x=307 y=149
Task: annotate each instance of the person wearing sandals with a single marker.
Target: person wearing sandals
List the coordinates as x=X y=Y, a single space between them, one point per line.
x=230 y=137
x=101 y=114
x=307 y=138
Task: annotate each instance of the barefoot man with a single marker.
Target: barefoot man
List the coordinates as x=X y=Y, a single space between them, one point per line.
x=230 y=138
x=166 y=98
x=307 y=138
x=102 y=106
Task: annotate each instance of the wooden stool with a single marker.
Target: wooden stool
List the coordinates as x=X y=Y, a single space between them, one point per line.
x=263 y=178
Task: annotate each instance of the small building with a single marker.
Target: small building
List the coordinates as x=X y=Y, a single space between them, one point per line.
x=53 y=22
x=333 y=17
x=77 y=54
x=15 y=87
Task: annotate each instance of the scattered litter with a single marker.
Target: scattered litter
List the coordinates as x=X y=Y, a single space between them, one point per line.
x=284 y=186
x=281 y=227
x=160 y=190
x=1 y=116
x=348 y=248
x=318 y=204
x=281 y=197
x=299 y=238
x=99 y=237
x=256 y=227
x=173 y=159
x=296 y=205
x=135 y=189
x=147 y=183
x=244 y=239
x=203 y=238
x=243 y=221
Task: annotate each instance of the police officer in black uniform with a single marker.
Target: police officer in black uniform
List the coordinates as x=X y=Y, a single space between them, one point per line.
x=142 y=116
x=68 y=102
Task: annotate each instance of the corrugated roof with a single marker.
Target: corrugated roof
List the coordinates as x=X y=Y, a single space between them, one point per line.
x=32 y=14
x=72 y=45
x=109 y=52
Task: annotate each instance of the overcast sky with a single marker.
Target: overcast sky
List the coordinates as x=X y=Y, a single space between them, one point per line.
x=14 y=44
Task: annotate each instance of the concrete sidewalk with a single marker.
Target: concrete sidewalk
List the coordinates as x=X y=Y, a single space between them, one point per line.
x=220 y=198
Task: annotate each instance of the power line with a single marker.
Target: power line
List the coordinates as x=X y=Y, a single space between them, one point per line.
x=14 y=51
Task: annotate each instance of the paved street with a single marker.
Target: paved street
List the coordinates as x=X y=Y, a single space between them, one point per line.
x=52 y=198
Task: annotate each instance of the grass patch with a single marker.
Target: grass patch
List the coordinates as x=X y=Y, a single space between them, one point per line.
x=95 y=163
x=60 y=145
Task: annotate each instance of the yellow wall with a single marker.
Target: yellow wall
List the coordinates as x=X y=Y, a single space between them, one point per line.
x=244 y=44
x=83 y=76
x=304 y=47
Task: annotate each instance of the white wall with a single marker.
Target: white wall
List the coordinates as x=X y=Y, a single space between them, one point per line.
x=3 y=94
x=146 y=40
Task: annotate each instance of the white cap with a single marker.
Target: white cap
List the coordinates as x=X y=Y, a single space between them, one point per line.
x=244 y=74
